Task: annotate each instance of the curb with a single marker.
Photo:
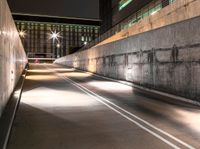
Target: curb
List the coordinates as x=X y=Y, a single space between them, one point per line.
x=14 y=103
x=170 y=96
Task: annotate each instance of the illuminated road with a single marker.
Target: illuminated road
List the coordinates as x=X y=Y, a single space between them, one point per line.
x=62 y=108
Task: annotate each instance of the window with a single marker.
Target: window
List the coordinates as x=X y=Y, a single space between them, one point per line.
x=82 y=38
x=124 y=3
x=90 y=39
x=171 y=1
x=155 y=9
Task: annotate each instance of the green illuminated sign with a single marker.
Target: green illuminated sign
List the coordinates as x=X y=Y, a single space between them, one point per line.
x=124 y=3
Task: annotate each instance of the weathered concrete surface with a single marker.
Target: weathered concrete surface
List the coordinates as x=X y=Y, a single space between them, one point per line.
x=177 y=11
x=166 y=59
x=12 y=55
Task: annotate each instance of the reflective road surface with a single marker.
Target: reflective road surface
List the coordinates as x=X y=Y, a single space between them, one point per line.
x=62 y=108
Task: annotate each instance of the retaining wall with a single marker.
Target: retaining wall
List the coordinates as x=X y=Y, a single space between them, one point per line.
x=166 y=59
x=12 y=55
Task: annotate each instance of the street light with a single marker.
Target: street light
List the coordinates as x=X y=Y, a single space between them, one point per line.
x=22 y=34
x=58 y=45
x=58 y=50
x=55 y=35
x=85 y=42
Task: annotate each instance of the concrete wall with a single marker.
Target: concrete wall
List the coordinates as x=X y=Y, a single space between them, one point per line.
x=166 y=59
x=12 y=55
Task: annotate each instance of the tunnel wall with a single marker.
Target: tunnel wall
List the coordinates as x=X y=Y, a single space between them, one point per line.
x=12 y=55
x=166 y=59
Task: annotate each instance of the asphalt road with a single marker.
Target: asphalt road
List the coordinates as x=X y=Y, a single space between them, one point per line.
x=62 y=108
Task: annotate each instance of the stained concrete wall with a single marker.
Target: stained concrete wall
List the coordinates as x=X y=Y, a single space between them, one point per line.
x=166 y=59
x=12 y=55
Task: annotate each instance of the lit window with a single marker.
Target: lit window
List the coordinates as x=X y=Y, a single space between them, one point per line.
x=171 y=1
x=82 y=38
x=155 y=9
x=90 y=39
x=124 y=3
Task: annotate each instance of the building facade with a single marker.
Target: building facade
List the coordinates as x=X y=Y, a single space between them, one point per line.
x=118 y=15
x=123 y=13
x=105 y=15
x=46 y=37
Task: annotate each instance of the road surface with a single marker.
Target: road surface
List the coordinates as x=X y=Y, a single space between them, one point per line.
x=62 y=108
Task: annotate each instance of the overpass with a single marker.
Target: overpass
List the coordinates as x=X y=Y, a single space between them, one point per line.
x=140 y=91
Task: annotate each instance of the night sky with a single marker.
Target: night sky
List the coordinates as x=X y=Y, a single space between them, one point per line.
x=65 y=8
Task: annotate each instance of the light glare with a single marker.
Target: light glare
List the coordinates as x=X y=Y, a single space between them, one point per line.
x=54 y=35
x=22 y=33
x=110 y=86
x=58 y=45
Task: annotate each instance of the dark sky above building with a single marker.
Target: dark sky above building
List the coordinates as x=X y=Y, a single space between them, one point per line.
x=64 y=8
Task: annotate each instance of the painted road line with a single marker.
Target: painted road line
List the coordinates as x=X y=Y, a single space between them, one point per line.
x=182 y=99
x=140 y=119
x=131 y=114
x=100 y=98
x=135 y=116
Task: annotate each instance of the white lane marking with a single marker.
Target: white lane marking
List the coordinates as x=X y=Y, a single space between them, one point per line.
x=196 y=103
x=140 y=119
x=131 y=114
x=133 y=121
x=96 y=97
